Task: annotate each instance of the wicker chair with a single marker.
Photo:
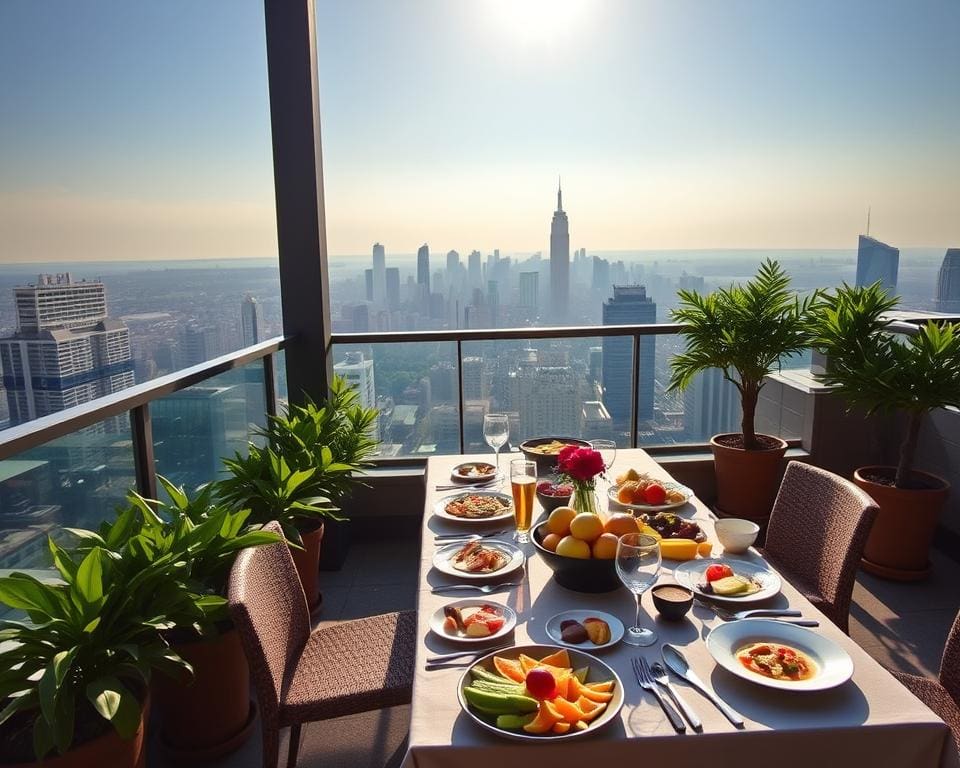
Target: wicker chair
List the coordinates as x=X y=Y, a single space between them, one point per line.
x=942 y=695
x=817 y=531
x=302 y=676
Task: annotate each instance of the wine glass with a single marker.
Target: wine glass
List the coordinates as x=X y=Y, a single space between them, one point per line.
x=608 y=452
x=496 y=431
x=523 y=484
x=638 y=566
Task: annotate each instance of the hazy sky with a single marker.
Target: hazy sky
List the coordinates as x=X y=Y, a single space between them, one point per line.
x=140 y=130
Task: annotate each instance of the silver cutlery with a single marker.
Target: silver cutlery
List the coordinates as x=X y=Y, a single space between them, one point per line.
x=469 y=536
x=770 y=613
x=445 y=657
x=469 y=486
x=646 y=682
x=659 y=675
x=485 y=588
x=677 y=663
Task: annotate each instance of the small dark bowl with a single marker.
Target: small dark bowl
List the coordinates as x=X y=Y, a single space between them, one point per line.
x=547 y=464
x=579 y=575
x=672 y=610
x=550 y=503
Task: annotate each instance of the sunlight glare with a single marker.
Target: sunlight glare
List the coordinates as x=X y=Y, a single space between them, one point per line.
x=537 y=21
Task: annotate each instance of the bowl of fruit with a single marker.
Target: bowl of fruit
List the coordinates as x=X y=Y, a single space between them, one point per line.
x=552 y=495
x=581 y=548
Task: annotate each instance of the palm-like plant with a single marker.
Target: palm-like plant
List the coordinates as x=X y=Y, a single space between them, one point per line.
x=879 y=371
x=746 y=331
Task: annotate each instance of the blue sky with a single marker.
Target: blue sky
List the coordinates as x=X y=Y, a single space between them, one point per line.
x=140 y=130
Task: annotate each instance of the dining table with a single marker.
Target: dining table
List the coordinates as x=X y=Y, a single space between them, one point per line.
x=870 y=720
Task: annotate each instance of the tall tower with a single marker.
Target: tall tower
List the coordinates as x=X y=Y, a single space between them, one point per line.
x=423 y=271
x=250 y=321
x=877 y=261
x=379 y=274
x=630 y=305
x=559 y=261
x=948 y=282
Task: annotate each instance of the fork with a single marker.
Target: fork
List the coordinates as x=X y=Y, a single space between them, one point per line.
x=757 y=613
x=646 y=682
x=657 y=673
x=469 y=536
x=485 y=588
x=470 y=487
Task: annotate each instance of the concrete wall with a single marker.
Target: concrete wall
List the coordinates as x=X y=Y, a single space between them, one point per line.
x=939 y=452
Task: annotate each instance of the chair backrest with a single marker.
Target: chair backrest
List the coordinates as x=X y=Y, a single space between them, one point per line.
x=950 y=664
x=269 y=608
x=818 y=527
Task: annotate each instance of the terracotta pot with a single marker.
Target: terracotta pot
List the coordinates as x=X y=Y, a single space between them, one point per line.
x=898 y=547
x=747 y=481
x=307 y=561
x=212 y=715
x=108 y=749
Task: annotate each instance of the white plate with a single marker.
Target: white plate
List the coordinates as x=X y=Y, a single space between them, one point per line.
x=440 y=511
x=458 y=475
x=691 y=573
x=834 y=664
x=553 y=629
x=436 y=621
x=598 y=671
x=441 y=559
x=688 y=494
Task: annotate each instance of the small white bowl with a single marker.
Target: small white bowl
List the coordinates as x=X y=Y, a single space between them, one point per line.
x=736 y=535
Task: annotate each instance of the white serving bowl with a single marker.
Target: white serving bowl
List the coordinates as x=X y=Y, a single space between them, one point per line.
x=736 y=535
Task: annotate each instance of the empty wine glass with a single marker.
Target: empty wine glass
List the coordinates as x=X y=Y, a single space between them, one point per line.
x=496 y=431
x=638 y=566
x=608 y=452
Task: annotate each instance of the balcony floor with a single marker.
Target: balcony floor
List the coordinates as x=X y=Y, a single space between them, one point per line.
x=902 y=626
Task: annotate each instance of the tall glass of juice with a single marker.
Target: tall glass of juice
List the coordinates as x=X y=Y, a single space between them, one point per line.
x=523 y=483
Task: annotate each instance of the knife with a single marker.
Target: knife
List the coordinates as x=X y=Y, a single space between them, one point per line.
x=677 y=663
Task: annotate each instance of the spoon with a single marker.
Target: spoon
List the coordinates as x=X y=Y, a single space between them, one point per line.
x=677 y=663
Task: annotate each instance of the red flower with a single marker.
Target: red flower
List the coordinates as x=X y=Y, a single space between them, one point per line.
x=581 y=464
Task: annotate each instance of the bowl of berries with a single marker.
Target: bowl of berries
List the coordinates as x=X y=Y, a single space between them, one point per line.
x=552 y=494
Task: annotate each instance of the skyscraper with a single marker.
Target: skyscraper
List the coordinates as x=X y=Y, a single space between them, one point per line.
x=529 y=289
x=423 y=270
x=711 y=405
x=250 y=321
x=379 y=274
x=559 y=261
x=948 y=282
x=65 y=351
x=877 y=261
x=601 y=275
x=630 y=305
x=393 y=287
x=474 y=269
x=453 y=264
x=359 y=374
x=368 y=284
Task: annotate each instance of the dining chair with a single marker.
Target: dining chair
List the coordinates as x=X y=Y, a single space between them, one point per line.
x=302 y=676
x=816 y=534
x=941 y=695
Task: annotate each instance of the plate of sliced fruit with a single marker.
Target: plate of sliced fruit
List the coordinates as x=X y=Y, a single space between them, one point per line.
x=729 y=579
x=586 y=630
x=472 y=621
x=540 y=693
x=645 y=493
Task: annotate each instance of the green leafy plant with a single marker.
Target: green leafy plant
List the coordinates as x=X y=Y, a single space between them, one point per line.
x=309 y=462
x=92 y=640
x=879 y=371
x=746 y=331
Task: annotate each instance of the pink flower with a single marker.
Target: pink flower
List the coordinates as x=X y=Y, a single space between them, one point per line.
x=582 y=464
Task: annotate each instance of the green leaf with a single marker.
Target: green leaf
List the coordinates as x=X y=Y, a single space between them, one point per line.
x=18 y=703
x=19 y=590
x=90 y=576
x=114 y=702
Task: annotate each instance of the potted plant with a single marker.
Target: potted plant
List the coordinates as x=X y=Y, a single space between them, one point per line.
x=74 y=680
x=306 y=468
x=746 y=331
x=883 y=372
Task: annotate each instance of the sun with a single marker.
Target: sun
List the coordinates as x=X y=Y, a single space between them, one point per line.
x=537 y=21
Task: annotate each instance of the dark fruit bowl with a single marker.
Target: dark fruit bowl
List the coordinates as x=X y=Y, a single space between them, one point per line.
x=573 y=573
x=550 y=503
x=546 y=464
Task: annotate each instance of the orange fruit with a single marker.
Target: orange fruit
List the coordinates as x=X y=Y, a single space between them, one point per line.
x=559 y=520
x=550 y=541
x=620 y=523
x=586 y=526
x=626 y=493
x=571 y=547
x=605 y=547
x=704 y=548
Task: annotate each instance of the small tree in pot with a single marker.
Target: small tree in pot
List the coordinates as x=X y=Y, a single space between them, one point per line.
x=882 y=372
x=746 y=331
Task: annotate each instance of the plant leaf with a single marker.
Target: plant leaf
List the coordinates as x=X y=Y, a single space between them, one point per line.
x=114 y=702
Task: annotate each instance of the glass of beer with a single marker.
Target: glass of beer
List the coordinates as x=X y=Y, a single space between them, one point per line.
x=523 y=483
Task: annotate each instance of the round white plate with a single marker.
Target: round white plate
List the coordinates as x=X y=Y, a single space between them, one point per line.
x=687 y=493
x=553 y=629
x=834 y=665
x=436 y=621
x=459 y=475
x=440 y=511
x=598 y=671
x=441 y=559
x=691 y=573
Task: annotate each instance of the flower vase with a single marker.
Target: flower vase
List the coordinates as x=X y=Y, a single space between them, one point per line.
x=585 y=498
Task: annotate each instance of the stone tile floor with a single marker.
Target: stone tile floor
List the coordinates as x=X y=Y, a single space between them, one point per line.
x=901 y=625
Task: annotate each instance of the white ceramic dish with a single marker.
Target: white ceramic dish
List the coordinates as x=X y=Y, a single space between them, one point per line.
x=509 y=616
x=690 y=574
x=440 y=511
x=687 y=495
x=553 y=629
x=441 y=560
x=461 y=473
x=598 y=672
x=834 y=665
x=736 y=536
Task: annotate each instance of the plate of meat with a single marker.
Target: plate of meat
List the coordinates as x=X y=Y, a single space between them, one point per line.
x=478 y=559
x=475 y=507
